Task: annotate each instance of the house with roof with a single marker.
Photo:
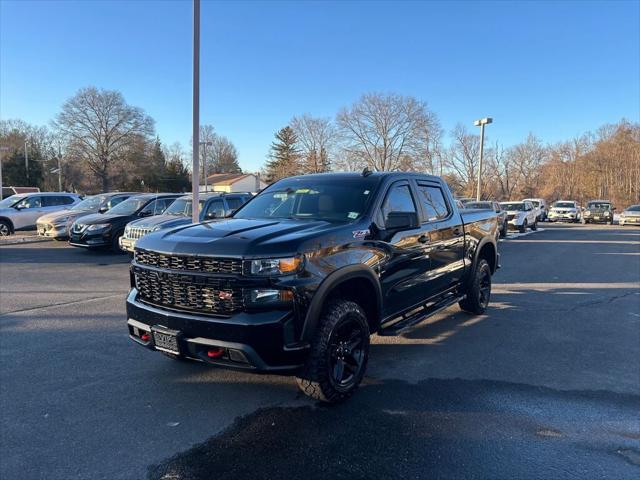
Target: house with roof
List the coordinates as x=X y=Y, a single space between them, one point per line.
x=234 y=182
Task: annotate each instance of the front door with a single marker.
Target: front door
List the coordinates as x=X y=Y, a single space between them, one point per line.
x=29 y=210
x=402 y=277
x=446 y=237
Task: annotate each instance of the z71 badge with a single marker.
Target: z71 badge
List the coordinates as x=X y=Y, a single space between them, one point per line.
x=360 y=233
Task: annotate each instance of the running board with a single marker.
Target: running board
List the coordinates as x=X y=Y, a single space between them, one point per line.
x=406 y=323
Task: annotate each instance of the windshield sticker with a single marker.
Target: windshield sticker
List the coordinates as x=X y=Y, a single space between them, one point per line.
x=360 y=233
x=352 y=215
x=366 y=192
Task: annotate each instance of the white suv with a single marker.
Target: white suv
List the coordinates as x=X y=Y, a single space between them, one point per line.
x=521 y=215
x=21 y=211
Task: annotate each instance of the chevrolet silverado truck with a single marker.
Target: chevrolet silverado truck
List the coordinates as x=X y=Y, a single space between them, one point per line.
x=297 y=279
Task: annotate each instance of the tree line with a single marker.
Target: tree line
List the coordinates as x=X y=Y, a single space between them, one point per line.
x=393 y=132
x=97 y=143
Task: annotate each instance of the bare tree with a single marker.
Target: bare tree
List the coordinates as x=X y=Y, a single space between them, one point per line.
x=317 y=141
x=462 y=158
x=385 y=132
x=224 y=156
x=99 y=126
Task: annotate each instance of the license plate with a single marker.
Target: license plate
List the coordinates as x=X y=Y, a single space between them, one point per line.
x=596 y=218
x=165 y=339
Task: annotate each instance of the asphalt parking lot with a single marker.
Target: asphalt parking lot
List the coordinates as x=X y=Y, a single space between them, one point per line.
x=545 y=385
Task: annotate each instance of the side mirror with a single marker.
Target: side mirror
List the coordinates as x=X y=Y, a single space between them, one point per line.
x=145 y=213
x=102 y=210
x=215 y=214
x=401 y=220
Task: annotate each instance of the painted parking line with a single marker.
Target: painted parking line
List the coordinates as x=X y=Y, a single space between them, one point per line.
x=513 y=235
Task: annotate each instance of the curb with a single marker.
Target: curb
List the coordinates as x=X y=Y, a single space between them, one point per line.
x=23 y=240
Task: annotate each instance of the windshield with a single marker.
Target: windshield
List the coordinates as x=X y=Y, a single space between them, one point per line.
x=486 y=205
x=599 y=205
x=328 y=199
x=513 y=206
x=535 y=203
x=634 y=208
x=564 y=205
x=11 y=201
x=182 y=207
x=89 y=204
x=130 y=206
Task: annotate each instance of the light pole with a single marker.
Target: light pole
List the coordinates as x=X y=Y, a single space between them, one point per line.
x=26 y=161
x=195 y=167
x=481 y=123
x=204 y=161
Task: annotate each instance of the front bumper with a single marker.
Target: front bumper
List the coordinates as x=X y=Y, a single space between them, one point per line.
x=515 y=223
x=89 y=239
x=52 y=231
x=629 y=220
x=598 y=218
x=127 y=244
x=255 y=341
x=554 y=216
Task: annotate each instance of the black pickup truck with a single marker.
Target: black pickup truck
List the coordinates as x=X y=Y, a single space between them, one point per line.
x=297 y=279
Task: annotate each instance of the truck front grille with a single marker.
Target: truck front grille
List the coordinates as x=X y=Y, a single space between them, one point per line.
x=184 y=292
x=134 y=233
x=189 y=262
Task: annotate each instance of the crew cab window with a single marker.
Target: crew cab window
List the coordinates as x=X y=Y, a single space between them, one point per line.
x=215 y=209
x=115 y=201
x=398 y=199
x=435 y=206
x=55 y=200
x=30 y=202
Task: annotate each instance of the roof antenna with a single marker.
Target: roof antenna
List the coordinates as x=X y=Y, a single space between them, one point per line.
x=366 y=172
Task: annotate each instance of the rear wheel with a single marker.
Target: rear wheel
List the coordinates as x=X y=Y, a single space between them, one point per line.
x=339 y=353
x=5 y=228
x=479 y=291
x=115 y=243
x=503 y=230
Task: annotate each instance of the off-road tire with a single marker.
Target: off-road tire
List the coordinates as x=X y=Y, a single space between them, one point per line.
x=523 y=228
x=475 y=302
x=5 y=228
x=316 y=379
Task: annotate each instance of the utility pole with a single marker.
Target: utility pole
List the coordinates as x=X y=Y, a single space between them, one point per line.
x=59 y=169
x=195 y=167
x=204 y=162
x=481 y=123
x=26 y=161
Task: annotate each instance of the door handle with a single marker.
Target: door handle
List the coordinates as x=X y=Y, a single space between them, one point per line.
x=423 y=238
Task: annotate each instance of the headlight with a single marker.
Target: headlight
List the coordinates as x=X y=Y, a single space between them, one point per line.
x=606 y=214
x=156 y=228
x=275 y=266
x=259 y=297
x=98 y=227
x=587 y=213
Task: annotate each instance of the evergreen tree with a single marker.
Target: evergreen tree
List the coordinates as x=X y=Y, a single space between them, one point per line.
x=284 y=158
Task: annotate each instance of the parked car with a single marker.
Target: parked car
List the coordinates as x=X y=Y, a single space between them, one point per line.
x=495 y=206
x=101 y=230
x=8 y=191
x=630 y=216
x=521 y=215
x=212 y=206
x=598 y=211
x=299 y=277
x=465 y=200
x=541 y=207
x=21 y=211
x=56 y=225
x=565 y=210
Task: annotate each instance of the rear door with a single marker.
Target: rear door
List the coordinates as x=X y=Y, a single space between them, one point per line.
x=443 y=226
x=403 y=275
x=28 y=211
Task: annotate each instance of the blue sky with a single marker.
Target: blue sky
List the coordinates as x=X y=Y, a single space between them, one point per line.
x=556 y=69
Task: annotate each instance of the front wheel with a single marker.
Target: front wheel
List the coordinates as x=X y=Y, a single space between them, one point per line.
x=503 y=230
x=339 y=353
x=523 y=228
x=5 y=228
x=479 y=291
x=535 y=225
x=115 y=243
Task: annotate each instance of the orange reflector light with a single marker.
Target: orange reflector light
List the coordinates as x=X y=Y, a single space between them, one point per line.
x=287 y=265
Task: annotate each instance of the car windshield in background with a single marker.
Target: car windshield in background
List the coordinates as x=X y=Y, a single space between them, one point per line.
x=564 y=205
x=483 y=205
x=11 y=201
x=535 y=203
x=129 y=206
x=599 y=205
x=634 y=208
x=90 y=203
x=336 y=201
x=513 y=206
x=182 y=207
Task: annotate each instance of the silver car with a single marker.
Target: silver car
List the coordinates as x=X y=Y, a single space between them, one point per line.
x=21 y=211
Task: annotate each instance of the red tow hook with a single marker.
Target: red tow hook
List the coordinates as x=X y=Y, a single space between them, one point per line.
x=145 y=337
x=215 y=352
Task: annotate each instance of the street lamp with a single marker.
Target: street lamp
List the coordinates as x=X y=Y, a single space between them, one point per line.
x=2 y=149
x=195 y=167
x=481 y=123
x=204 y=161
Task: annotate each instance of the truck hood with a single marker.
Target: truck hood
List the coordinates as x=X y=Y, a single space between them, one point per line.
x=103 y=218
x=164 y=221
x=242 y=237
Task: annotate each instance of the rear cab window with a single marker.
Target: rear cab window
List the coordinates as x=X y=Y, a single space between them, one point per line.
x=433 y=201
